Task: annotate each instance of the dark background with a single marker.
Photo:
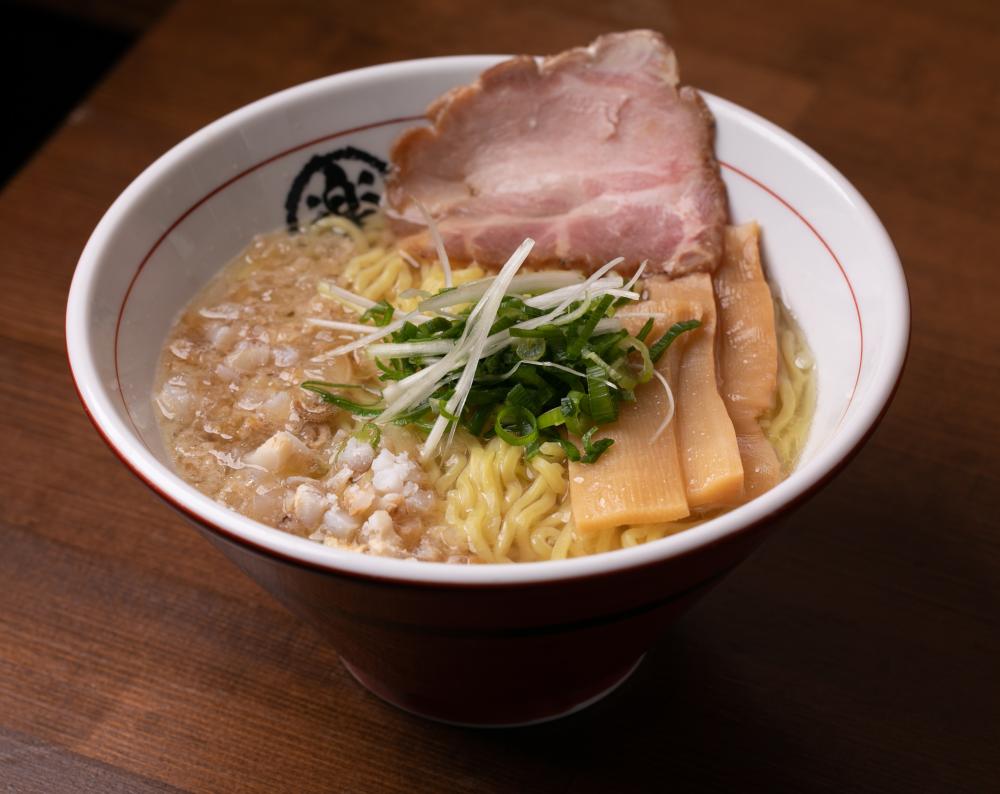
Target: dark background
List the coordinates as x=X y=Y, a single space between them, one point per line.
x=51 y=53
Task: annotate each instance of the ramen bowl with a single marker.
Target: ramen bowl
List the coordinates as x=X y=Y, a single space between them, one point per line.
x=471 y=644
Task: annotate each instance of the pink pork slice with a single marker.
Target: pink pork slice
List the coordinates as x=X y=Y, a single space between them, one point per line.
x=595 y=153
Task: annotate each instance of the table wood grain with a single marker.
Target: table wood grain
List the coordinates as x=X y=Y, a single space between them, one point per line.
x=857 y=650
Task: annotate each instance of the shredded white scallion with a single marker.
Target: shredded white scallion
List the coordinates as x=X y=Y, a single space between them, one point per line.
x=646 y=315
x=553 y=316
x=638 y=274
x=406 y=294
x=670 y=410
x=574 y=293
x=337 y=325
x=432 y=347
x=438 y=243
x=478 y=328
x=607 y=325
x=378 y=333
x=523 y=284
x=621 y=293
x=408 y=258
x=329 y=290
x=554 y=365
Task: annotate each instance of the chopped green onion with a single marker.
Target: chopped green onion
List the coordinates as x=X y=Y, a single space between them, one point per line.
x=491 y=397
x=590 y=323
x=572 y=453
x=530 y=349
x=369 y=434
x=594 y=449
x=675 y=330
x=552 y=417
x=516 y=425
x=380 y=314
x=576 y=407
x=602 y=406
x=413 y=417
x=441 y=407
x=644 y=375
x=310 y=384
x=646 y=328
x=358 y=409
x=480 y=419
x=521 y=396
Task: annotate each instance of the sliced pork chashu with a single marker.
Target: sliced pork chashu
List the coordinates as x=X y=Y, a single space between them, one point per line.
x=595 y=153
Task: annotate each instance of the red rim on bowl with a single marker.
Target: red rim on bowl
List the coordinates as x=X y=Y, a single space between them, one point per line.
x=126 y=443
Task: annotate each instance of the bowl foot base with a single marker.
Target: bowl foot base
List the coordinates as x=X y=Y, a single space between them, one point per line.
x=380 y=692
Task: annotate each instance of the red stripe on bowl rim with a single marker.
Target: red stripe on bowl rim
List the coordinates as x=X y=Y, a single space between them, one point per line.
x=850 y=287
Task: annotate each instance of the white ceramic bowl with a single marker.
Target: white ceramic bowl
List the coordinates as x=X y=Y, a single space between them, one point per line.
x=199 y=204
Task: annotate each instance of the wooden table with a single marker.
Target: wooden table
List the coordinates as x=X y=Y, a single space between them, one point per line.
x=857 y=650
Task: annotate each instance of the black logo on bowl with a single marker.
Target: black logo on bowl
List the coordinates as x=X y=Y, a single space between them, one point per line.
x=345 y=183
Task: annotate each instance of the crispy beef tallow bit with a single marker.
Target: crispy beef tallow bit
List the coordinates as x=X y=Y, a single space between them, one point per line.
x=594 y=153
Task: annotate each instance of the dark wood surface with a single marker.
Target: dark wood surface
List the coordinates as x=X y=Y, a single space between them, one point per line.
x=858 y=650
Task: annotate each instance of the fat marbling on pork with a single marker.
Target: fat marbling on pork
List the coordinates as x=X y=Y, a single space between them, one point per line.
x=596 y=152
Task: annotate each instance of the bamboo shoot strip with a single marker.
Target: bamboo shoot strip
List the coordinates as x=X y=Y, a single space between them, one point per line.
x=634 y=483
x=713 y=469
x=748 y=353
